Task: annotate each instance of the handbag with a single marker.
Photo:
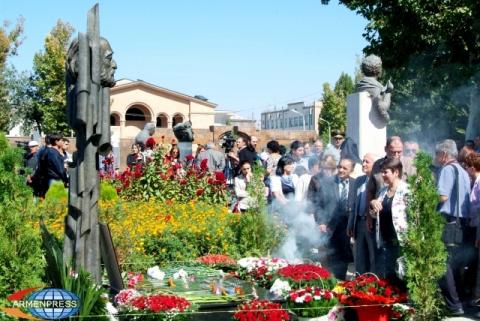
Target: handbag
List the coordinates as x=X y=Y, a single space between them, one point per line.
x=453 y=231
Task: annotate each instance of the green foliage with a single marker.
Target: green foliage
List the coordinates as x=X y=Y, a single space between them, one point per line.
x=21 y=261
x=423 y=249
x=257 y=232
x=10 y=40
x=107 y=192
x=334 y=108
x=49 y=80
x=162 y=181
x=171 y=247
x=61 y=275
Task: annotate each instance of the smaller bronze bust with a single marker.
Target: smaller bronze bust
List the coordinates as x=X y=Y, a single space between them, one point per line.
x=183 y=132
x=381 y=95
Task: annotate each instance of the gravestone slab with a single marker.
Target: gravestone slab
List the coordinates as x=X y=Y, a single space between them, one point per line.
x=364 y=125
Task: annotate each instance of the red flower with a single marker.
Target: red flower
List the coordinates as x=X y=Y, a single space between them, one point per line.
x=199 y=192
x=304 y=272
x=219 y=176
x=203 y=165
x=150 y=142
x=369 y=289
x=261 y=310
x=189 y=158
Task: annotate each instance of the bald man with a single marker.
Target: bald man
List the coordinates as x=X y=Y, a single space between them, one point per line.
x=364 y=250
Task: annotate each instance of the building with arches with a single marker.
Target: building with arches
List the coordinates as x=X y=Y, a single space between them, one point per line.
x=135 y=103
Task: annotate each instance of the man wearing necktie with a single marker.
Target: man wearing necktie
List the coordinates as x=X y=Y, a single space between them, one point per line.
x=364 y=249
x=340 y=251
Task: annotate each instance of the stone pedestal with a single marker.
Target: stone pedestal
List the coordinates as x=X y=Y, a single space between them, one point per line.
x=185 y=149
x=364 y=125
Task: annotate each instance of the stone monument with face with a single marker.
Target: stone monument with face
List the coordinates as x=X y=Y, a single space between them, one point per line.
x=90 y=74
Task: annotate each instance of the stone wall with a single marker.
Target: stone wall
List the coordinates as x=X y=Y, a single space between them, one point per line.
x=203 y=136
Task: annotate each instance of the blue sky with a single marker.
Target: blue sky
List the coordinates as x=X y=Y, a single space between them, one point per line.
x=246 y=56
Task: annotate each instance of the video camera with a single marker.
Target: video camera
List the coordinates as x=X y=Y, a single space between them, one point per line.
x=228 y=143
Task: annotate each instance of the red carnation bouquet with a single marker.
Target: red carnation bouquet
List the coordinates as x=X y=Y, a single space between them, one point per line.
x=135 y=306
x=311 y=302
x=261 y=310
x=302 y=275
x=368 y=289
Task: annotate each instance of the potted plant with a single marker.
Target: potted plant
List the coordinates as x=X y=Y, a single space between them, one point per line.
x=314 y=304
x=372 y=296
x=260 y=310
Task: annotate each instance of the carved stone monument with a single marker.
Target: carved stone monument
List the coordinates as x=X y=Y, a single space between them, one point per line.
x=90 y=74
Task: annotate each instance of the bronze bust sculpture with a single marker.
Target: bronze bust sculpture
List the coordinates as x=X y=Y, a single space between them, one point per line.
x=381 y=95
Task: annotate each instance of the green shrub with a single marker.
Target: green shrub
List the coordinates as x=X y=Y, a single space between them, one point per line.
x=21 y=260
x=424 y=251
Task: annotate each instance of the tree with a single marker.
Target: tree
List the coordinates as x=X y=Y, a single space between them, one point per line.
x=424 y=251
x=9 y=43
x=20 y=100
x=335 y=105
x=48 y=80
x=431 y=50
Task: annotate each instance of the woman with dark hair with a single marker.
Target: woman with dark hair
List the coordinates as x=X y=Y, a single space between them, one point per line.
x=389 y=208
x=273 y=157
x=283 y=184
x=173 y=155
x=241 y=182
x=136 y=156
x=297 y=152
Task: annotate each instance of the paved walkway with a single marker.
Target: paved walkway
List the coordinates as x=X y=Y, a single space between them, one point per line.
x=469 y=315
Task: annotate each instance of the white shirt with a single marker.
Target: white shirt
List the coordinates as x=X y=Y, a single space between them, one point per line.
x=301 y=187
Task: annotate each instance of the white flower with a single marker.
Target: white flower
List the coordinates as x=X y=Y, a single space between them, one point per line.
x=111 y=309
x=300 y=299
x=156 y=273
x=181 y=274
x=280 y=287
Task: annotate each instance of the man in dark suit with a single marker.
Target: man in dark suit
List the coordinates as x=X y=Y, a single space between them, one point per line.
x=364 y=249
x=332 y=199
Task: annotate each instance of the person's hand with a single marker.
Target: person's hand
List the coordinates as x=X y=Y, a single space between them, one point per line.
x=323 y=228
x=350 y=232
x=249 y=177
x=376 y=205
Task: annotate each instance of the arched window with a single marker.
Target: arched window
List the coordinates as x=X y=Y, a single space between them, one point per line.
x=134 y=113
x=138 y=116
x=162 y=121
x=114 y=120
x=177 y=119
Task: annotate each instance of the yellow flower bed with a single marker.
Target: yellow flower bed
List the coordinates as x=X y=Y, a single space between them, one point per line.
x=133 y=223
x=202 y=227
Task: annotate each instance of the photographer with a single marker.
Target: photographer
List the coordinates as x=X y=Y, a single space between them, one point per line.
x=246 y=152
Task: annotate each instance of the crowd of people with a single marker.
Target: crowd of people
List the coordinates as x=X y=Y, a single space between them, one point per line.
x=48 y=163
x=359 y=205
